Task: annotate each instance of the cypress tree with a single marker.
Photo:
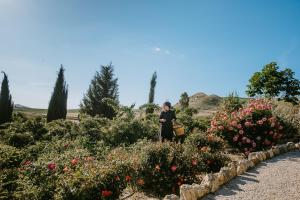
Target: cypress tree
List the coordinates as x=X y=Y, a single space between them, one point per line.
x=152 y=88
x=6 y=104
x=150 y=108
x=58 y=103
x=102 y=96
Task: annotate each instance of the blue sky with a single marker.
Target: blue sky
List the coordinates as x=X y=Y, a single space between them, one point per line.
x=213 y=46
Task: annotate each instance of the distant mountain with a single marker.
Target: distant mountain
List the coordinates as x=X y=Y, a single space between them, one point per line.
x=19 y=106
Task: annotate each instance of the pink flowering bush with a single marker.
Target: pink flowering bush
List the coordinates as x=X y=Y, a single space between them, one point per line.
x=251 y=128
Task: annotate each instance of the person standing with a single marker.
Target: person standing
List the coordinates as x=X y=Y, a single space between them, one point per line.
x=167 y=118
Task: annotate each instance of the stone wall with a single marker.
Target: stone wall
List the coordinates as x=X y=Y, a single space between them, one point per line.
x=212 y=182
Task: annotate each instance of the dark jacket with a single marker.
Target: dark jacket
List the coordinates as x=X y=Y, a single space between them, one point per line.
x=167 y=126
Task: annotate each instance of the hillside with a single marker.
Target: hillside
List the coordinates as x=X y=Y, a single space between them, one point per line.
x=205 y=104
x=32 y=112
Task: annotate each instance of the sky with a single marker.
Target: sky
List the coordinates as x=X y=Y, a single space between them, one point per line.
x=211 y=46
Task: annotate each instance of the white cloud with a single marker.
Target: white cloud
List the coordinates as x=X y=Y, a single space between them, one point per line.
x=157 y=49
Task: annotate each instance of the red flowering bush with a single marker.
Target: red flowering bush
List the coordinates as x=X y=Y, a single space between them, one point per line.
x=251 y=128
x=164 y=167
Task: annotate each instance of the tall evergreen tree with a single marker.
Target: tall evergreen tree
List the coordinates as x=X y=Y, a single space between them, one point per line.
x=6 y=104
x=150 y=107
x=58 y=103
x=152 y=88
x=102 y=96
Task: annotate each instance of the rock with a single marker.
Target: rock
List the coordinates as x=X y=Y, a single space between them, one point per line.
x=187 y=192
x=200 y=190
x=253 y=157
x=291 y=146
x=297 y=145
x=232 y=170
x=271 y=153
x=223 y=176
x=207 y=181
x=267 y=154
x=242 y=166
x=261 y=156
x=171 y=197
x=282 y=148
x=276 y=150
x=216 y=182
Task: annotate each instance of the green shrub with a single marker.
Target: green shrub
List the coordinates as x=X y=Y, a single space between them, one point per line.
x=61 y=128
x=163 y=167
x=250 y=129
x=289 y=115
x=204 y=142
x=129 y=132
x=93 y=127
x=10 y=157
x=20 y=139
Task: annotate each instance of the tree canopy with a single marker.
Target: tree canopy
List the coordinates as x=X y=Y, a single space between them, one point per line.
x=102 y=96
x=57 y=108
x=272 y=82
x=6 y=104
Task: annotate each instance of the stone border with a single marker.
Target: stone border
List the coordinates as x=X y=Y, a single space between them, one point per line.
x=213 y=181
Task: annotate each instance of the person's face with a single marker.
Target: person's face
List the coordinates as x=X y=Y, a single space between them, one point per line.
x=166 y=108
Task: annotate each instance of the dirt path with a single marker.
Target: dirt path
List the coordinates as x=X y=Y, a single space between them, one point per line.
x=275 y=179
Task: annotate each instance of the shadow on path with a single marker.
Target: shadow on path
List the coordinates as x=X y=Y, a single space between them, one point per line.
x=233 y=187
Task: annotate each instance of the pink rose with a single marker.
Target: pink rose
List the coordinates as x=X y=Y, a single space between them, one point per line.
x=247 y=124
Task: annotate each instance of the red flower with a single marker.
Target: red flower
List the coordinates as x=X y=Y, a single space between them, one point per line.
x=128 y=178
x=66 y=145
x=66 y=169
x=74 y=161
x=117 y=178
x=241 y=132
x=106 y=193
x=51 y=166
x=209 y=162
x=27 y=162
x=173 y=168
x=157 y=167
x=140 y=182
x=194 y=162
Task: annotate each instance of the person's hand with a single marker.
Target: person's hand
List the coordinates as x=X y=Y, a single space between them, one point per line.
x=162 y=120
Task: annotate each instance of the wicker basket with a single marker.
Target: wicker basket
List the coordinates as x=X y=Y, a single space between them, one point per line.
x=178 y=130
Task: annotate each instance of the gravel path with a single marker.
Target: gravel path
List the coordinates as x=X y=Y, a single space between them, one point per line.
x=275 y=179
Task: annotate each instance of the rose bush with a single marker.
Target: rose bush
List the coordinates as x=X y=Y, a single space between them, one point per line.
x=249 y=129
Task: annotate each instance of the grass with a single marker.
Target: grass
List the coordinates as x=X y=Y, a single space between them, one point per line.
x=34 y=112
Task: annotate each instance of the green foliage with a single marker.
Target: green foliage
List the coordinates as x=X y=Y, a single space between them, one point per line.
x=6 y=104
x=272 y=82
x=252 y=128
x=129 y=132
x=164 y=167
x=102 y=95
x=204 y=142
x=289 y=116
x=10 y=157
x=150 y=108
x=152 y=93
x=61 y=128
x=184 y=100
x=232 y=103
x=58 y=103
x=20 y=139
x=191 y=123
